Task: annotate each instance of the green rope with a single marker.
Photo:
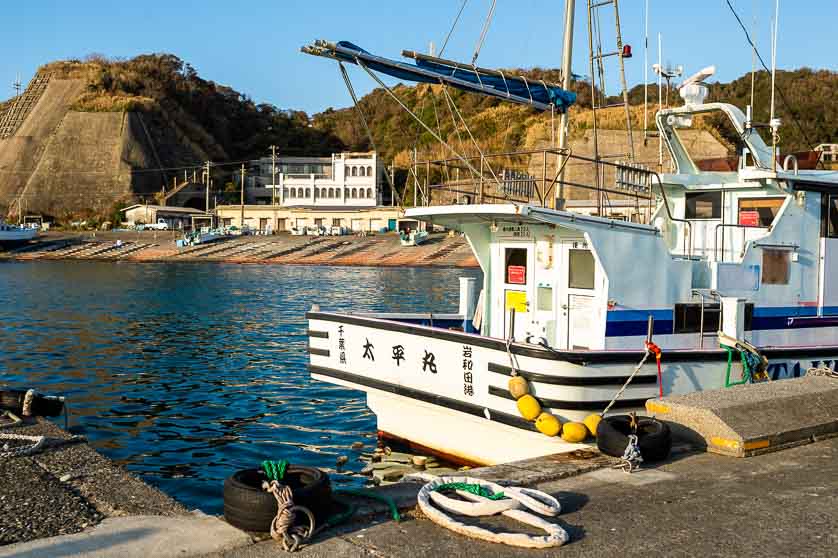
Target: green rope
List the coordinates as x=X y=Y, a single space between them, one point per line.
x=394 y=511
x=275 y=470
x=746 y=368
x=473 y=488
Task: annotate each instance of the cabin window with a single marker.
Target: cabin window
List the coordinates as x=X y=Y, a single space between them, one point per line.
x=688 y=317
x=516 y=266
x=704 y=205
x=758 y=212
x=775 y=266
x=829 y=216
x=581 y=269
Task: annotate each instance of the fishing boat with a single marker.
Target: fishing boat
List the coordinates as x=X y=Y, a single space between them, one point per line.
x=14 y=235
x=730 y=276
x=204 y=235
x=412 y=238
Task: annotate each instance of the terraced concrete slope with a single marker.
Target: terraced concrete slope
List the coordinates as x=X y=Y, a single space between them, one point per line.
x=63 y=163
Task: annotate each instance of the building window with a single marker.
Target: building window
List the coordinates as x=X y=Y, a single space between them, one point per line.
x=308 y=192
x=336 y=222
x=331 y=192
x=369 y=171
x=369 y=192
x=758 y=212
x=354 y=193
x=703 y=205
x=346 y=170
x=362 y=171
x=293 y=193
x=775 y=266
x=354 y=171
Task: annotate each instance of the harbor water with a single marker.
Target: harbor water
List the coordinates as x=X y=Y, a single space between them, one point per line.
x=184 y=373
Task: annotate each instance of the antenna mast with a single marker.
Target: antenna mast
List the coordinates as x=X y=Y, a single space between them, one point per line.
x=774 y=122
x=567 y=75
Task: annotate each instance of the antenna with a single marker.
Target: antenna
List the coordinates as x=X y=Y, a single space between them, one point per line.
x=752 y=108
x=646 y=73
x=17 y=85
x=773 y=122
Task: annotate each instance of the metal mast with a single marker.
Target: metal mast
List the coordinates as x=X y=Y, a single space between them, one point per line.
x=567 y=74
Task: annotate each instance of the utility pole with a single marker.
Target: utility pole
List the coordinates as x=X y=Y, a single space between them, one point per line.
x=207 y=179
x=273 y=174
x=242 y=200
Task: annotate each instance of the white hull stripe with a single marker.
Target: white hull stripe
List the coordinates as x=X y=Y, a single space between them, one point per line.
x=584 y=381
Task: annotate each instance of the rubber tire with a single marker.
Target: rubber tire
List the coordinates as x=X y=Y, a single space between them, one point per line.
x=250 y=508
x=654 y=438
x=42 y=406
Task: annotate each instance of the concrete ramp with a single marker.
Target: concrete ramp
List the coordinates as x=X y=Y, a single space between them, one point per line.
x=750 y=419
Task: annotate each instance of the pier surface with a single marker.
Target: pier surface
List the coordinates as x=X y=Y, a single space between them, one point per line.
x=385 y=250
x=699 y=504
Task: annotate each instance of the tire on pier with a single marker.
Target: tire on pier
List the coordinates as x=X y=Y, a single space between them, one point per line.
x=42 y=405
x=250 y=508
x=654 y=438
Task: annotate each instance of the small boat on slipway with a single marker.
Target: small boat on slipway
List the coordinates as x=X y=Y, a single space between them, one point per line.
x=13 y=235
x=732 y=272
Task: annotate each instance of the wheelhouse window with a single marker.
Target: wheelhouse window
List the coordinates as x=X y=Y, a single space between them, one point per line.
x=758 y=212
x=516 y=266
x=829 y=216
x=703 y=205
x=775 y=266
x=581 y=269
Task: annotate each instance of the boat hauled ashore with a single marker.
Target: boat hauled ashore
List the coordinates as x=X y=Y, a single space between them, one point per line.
x=729 y=266
x=13 y=235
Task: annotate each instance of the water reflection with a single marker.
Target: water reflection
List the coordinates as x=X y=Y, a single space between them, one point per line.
x=185 y=372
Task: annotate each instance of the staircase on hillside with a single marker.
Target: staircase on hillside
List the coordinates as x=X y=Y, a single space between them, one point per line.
x=22 y=105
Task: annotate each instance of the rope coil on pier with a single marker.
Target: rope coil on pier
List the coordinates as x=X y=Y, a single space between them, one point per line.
x=518 y=500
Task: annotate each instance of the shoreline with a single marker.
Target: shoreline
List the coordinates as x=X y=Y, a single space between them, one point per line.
x=382 y=250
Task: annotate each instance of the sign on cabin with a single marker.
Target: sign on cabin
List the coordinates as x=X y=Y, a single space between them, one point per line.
x=516 y=275
x=516 y=300
x=749 y=218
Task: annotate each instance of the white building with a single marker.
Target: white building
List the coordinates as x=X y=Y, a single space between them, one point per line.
x=344 y=180
x=830 y=153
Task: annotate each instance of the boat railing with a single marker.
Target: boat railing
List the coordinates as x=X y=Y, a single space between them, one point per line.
x=555 y=178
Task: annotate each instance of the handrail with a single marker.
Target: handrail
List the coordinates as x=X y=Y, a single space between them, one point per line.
x=716 y=236
x=688 y=224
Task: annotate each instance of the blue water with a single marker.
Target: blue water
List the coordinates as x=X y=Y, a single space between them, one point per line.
x=184 y=373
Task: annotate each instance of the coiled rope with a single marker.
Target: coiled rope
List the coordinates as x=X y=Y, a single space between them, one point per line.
x=434 y=504
x=35 y=445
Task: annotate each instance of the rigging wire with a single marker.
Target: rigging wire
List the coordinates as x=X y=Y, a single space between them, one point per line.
x=782 y=95
x=483 y=33
x=456 y=20
x=367 y=128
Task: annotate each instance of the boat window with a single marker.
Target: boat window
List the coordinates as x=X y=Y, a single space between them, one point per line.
x=703 y=205
x=688 y=318
x=758 y=212
x=545 y=299
x=516 y=266
x=775 y=266
x=581 y=269
x=829 y=216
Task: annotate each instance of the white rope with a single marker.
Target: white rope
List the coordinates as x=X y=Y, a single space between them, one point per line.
x=625 y=385
x=515 y=507
x=282 y=527
x=36 y=443
x=456 y=20
x=822 y=371
x=28 y=399
x=483 y=33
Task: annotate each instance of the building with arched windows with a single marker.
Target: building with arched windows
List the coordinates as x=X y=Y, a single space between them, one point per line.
x=347 y=190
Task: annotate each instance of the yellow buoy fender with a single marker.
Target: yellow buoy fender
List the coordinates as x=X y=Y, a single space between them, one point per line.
x=548 y=425
x=592 y=421
x=574 y=432
x=529 y=407
x=518 y=386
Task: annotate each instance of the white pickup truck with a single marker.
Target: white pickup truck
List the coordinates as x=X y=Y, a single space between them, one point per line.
x=160 y=225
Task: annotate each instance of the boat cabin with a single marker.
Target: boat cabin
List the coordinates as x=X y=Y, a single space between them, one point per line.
x=742 y=237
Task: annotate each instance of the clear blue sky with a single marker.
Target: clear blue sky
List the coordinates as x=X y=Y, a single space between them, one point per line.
x=253 y=46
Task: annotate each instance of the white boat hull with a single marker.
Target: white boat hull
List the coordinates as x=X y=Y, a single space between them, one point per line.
x=446 y=390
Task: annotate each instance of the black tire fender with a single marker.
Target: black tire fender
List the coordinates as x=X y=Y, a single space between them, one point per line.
x=42 y=405
x=654 y=438
x=250 y=508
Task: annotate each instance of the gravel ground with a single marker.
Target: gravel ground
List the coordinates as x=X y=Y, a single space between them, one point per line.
x=67 y=488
